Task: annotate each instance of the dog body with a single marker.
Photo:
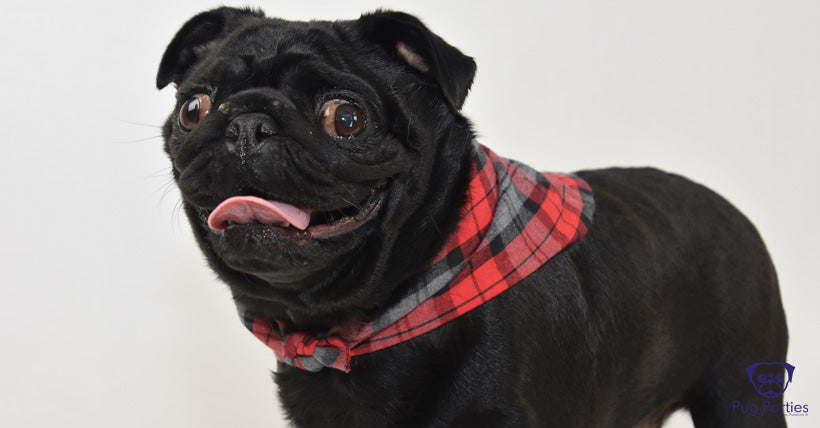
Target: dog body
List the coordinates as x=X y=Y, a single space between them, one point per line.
x=323 y=164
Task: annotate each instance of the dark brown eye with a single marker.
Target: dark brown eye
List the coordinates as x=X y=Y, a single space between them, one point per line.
x=342 y=119
x=194 y=110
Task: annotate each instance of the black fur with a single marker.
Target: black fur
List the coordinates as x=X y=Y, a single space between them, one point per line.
x=662 y=305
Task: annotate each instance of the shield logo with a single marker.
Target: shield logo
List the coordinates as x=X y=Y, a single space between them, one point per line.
x=768 y=378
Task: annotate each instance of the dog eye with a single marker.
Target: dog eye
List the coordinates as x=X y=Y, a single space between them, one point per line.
x=341 y=118
x=194 y=110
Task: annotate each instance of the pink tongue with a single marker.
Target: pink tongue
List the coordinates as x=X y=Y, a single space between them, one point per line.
x=245 y=209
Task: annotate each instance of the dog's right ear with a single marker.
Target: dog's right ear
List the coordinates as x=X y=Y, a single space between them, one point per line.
x=410 y=41
x=195 y=38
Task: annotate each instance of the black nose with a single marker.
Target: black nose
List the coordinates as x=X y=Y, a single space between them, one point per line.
x=245 y=132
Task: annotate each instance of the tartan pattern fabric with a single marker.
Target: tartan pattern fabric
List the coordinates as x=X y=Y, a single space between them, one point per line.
x=514 y=221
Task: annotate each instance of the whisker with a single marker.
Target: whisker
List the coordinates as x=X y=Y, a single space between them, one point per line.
x=352 y=204
x=160 y=173
x=140 y=140
x=435 y=224
x=168 y=183
x=177 y=214
x=168 y=187
x=316 y=192
x=140 y=124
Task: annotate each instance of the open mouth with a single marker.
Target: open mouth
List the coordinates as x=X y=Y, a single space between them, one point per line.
x=239 y=211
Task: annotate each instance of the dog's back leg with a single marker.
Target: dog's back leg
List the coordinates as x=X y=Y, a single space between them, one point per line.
x=726 y=403
x=726 y=398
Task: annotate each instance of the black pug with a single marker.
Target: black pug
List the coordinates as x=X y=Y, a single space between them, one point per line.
x=406 y=276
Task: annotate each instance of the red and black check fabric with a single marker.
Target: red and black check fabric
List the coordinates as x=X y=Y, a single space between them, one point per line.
x=514 y=221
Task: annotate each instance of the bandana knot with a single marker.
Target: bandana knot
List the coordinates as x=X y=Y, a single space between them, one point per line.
x=514 y=221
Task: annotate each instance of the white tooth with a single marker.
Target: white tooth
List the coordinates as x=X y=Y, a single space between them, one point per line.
x=284 y=224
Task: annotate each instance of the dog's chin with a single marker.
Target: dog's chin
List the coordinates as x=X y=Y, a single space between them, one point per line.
x=289 y=258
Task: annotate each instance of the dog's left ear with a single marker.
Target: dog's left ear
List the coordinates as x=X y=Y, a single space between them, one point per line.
x=195 y=39
x=411 y=42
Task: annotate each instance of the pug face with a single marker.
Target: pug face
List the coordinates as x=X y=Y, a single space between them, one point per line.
x=769 y=379
x=317 y=161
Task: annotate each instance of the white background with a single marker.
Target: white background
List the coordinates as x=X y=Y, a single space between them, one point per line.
x=108 y=315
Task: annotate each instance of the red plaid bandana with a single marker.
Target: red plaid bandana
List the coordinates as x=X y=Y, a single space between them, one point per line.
x=515 y=220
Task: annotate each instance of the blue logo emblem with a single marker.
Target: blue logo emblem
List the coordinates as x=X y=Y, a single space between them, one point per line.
x=768 y=378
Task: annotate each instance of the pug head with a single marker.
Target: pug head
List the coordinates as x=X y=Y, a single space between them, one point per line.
x=769 y=379
x=320 y=163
